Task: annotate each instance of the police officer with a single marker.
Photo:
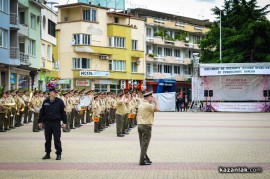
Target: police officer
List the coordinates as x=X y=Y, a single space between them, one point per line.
x=51 y=114
x=145 y=121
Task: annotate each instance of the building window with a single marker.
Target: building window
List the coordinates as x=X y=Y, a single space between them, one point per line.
x=22 y=17
x=100 y=87
x=43 y=48
x=32 y=47
x=51 y=28
x=149 y=32
x=117 y=65
x=159 y=68
x=82 y=39
x=90 y=15
x=159 y=51
x=149 y=49
x=168 y=52
x=177 y=53
x=196 y=39
x=3 y=38
x=81 y=63
x=176 y=69
x=134 y=44
x=49 y=52
x=134 y=67
x=33 y=21
x=117 y=42
x=167 y=69
x=4 y=5
x=23 y=82
x=116 y=20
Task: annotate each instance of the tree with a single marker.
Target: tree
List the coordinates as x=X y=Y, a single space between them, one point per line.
x=245 y=34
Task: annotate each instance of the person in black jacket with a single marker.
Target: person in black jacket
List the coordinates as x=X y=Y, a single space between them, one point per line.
x=51 y=114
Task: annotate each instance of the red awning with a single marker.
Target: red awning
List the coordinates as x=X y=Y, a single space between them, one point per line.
x=151 y=83
x=183 y=84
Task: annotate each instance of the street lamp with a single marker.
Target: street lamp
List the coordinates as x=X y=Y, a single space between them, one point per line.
x=220 y=38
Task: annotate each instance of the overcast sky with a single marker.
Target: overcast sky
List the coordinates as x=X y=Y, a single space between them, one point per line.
x=199 y=9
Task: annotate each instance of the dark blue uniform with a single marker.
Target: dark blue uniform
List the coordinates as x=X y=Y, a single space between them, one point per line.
x=51 y=114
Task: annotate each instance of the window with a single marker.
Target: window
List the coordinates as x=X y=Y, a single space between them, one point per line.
x=51 y=28
x=176 y=69
x=148 y=49
x=134 y=45
x=81 y=63
x=49 y=52
x=159 y=68
x=159 y=51
x=117 y=65
x=81 y=39
x=167 y=69
x=90 y=15
x=116 y=20
x=32 y=47
x=167 y=51
x=177 y=53
x=4 y=5
x=117 y=42
x=196 y=39
x=134 y=66
x=3 y=38
x=22 y=18
x=43 y=47
x=33 y=21
x=148 y=32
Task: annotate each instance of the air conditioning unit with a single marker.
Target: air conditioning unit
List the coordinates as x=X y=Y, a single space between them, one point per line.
x=39 y=18
x=104 y=57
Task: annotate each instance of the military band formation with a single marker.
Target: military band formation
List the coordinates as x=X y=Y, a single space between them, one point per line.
x=103 y=108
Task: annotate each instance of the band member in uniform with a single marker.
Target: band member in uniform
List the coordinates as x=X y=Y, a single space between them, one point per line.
x=27 y=112
x=96 y=109
x=68 y=109
x=120 y=114
x=76 y=117
x=127 y=99
x=13 y=112
x=52 y=113
x=3 y=112
x=145 y=121
x=35 y=106
x=20 y=108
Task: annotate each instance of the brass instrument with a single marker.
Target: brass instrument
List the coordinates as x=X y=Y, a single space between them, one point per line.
x=8 y=106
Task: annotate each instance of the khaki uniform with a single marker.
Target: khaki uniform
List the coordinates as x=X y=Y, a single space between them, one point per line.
x=96 y=109
x=68 y=109
x=27 y=113
x=20 y=103
x=12 y=113
x=145 y=120
x=120 y=116
x=75 y=114
x=3 y=114
x=36 y=105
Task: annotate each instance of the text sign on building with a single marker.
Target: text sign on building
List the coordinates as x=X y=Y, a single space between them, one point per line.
x=237 y=70
x=123 y=84
x=106 y=82
x=94 y=73
x=82 y=82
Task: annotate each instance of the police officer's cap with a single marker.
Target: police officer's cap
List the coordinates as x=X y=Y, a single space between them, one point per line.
x=148 y=94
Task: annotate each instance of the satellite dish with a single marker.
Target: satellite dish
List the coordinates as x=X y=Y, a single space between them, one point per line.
x=73 y=42
x=187 y=38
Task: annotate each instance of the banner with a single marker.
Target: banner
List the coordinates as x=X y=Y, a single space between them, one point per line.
x=238 y=107
x=217 y=70
x=82 y=82
x=232 y=88
x=166 y=101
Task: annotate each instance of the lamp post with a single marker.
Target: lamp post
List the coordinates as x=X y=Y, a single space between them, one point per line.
x=220 y=37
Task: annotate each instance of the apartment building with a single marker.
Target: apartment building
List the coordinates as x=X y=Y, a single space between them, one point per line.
x=100 y=49
x=171 y=42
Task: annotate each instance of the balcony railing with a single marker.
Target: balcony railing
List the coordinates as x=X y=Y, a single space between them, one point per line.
x=13 y=19
x=14 y=52
x=24 y=59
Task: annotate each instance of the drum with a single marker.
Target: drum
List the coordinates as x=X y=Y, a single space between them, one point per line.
x=84 y=103
x=131 y=116
x=96 y=119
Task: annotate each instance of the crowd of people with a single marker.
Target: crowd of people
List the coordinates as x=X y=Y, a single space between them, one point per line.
x=21 y=107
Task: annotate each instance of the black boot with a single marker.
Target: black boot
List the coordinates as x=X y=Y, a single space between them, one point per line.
x=58 y=157
x=47 y=156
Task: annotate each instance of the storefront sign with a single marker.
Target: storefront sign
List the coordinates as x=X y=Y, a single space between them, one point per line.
x=64 y=81
x=82 y=82
x=123 y=84
x=238 y=107
x=237 y=70
x=94 y=73
x=13 y=77
x=106 y=82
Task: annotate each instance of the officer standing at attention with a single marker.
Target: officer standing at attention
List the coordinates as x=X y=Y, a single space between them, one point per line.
x=145 y=121
x=51 y=114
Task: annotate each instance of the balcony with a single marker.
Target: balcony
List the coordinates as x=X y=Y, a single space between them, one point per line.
x=167 y=59
x=24 y=59
x=13 y=19
x=156 y=76
x=14 y=52
x=24 y=30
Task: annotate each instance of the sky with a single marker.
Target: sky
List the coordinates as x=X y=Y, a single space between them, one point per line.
x=198 y=9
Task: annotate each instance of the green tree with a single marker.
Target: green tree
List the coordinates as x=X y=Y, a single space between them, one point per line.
x=245 y=34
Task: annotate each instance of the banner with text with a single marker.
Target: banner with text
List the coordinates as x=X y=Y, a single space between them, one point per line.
x=232 y=88
x=238 y=107
x=94 y=73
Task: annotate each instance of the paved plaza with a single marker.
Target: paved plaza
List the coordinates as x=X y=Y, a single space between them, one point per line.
x=183 y=145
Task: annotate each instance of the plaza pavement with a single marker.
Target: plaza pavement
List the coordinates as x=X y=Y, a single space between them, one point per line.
x=183 y=145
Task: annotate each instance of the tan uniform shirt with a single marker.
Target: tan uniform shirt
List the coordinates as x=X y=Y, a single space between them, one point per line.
x=146 y=113
x=96 y=109
x=120 y=107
